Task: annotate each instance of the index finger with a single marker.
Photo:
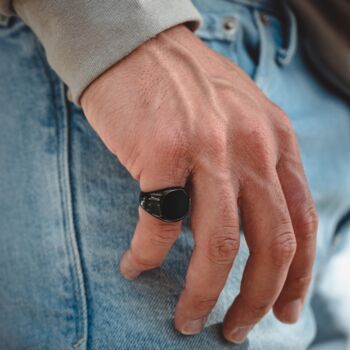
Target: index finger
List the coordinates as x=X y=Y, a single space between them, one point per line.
x=153 y=237
x=150 y=245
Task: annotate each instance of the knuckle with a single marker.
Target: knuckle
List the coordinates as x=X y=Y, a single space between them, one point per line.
x=301 y=283
x=256 y=137
x=217 y=146
x=144 y=263
x=202 y=305
x=166 y=235
x=215 y=143
x=284 y=126
x=257 y=309
x=280 y=114
x=131 y=162
x=307 y=224
x=172 y=146
x=260 y=148
x=283 y=245
x=173 y=158
x=224 y=246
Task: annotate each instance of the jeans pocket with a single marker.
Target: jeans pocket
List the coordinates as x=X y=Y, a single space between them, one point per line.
x=219 y=32
x=253 y=37
x=236 y=34
x=42 y=292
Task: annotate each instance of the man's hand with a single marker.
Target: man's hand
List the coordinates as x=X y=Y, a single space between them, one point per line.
x=176 y=113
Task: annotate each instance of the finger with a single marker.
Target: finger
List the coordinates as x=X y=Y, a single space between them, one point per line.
x=215 y=227
x=152 y=238
x=270 y=238
x=304 y=219
x=150 y=245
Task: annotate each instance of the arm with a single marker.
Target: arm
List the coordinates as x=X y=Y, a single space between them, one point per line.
x=211 y=129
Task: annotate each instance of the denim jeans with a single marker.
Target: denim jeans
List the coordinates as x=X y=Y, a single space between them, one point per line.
x=68 y=208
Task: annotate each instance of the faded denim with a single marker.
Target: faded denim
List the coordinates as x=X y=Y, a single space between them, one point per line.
x=68 y=208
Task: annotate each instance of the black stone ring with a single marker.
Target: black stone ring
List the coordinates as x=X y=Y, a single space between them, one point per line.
x=168 y=204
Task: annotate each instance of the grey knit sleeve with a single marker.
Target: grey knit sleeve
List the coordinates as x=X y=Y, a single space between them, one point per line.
x=83 y=38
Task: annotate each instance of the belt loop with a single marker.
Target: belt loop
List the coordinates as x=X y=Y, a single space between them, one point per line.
x=284 y=55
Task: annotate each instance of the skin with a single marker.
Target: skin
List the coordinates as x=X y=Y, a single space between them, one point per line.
x=176 y=113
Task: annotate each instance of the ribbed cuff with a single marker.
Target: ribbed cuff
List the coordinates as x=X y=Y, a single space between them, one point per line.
x=84 y=38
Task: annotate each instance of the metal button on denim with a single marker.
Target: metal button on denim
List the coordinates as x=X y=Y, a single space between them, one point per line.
x=230 y=24
x=264 y=18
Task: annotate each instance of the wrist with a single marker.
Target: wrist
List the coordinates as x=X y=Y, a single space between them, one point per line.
x=142 y=58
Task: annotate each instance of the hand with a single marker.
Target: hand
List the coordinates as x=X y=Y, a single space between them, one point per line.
x=176 y=113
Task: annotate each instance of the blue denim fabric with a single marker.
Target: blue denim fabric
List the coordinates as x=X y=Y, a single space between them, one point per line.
x=68 y=208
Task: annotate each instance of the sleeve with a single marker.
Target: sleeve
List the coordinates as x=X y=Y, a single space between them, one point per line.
x=83 y=38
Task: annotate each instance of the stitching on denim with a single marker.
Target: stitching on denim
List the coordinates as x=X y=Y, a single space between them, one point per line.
x=284 y=55
x=61 y=117
x=66 y=182
x=263 y=64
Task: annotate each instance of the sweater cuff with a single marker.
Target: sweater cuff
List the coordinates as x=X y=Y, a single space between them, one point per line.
x=82 y=39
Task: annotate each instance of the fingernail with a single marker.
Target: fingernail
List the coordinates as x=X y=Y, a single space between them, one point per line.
x=239 y=334
x=192 y=327
x=291 y=311
x=126 y=270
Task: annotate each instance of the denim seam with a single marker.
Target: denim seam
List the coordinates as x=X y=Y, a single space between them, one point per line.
x=263 y=64
x=61 y=116
x=71 y=227
x=285 y=55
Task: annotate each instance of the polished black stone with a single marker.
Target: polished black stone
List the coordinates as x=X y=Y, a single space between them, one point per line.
x=174 y=205
x=168 y=204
